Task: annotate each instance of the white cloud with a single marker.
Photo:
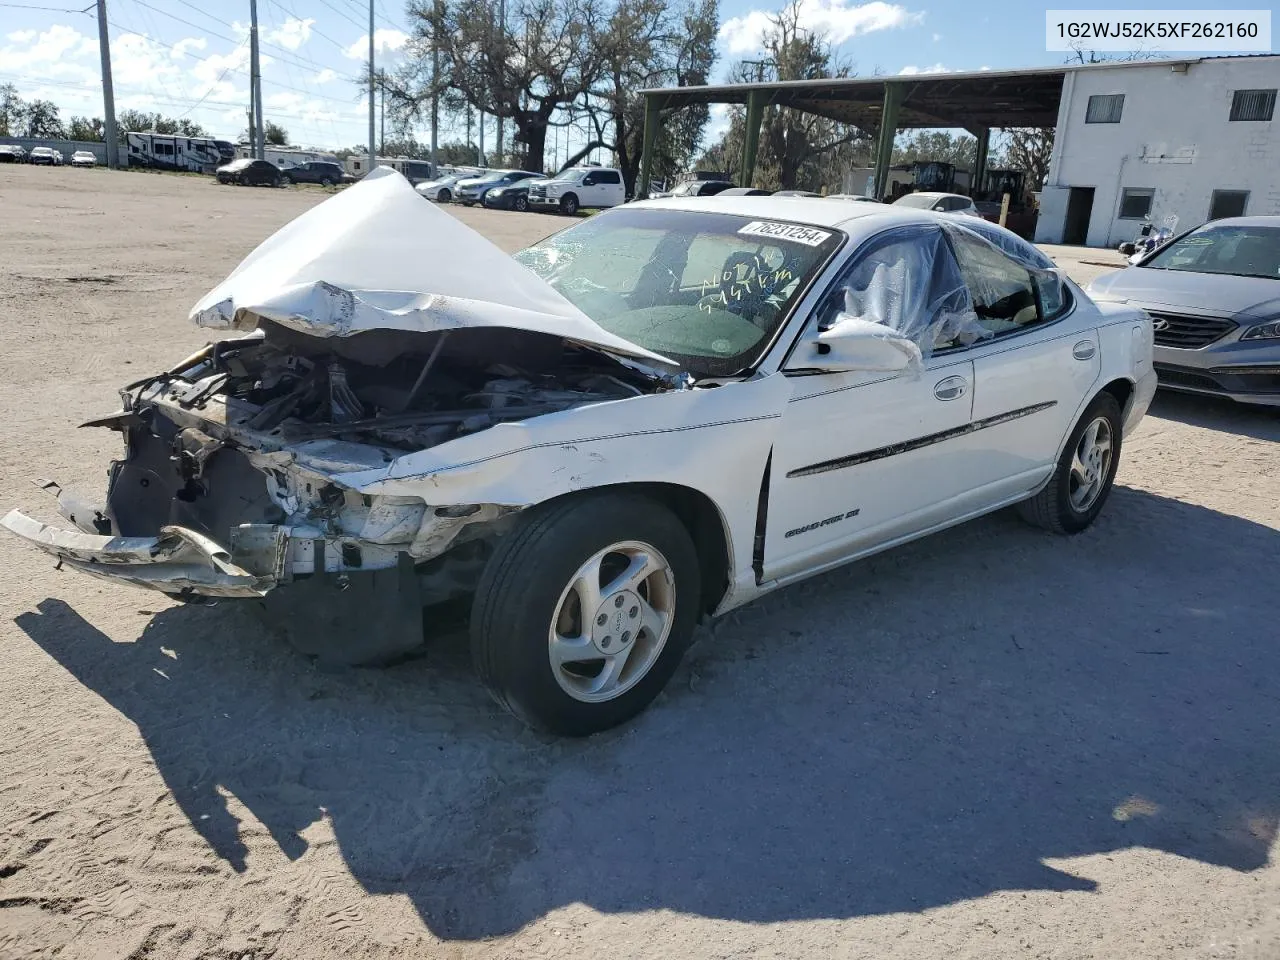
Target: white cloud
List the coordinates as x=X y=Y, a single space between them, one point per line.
x=837 y=20
x=385 y=41
x=326 y=76
x=291 y=34
x=59 y=53
x=186 y=45
x=937 y=37
x=912 y=71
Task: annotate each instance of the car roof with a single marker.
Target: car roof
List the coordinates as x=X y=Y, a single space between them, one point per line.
x=1257 y=220
x=933 y=195
x=813 y=211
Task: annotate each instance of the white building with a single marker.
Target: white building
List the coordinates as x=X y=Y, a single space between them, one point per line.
x=1194 y=139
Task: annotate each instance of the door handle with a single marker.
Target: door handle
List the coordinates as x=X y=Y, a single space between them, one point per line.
x=1084 y=350
x=950 y=388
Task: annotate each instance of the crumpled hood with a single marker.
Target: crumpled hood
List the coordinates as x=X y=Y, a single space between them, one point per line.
x=378 y=257
x=1213 y=293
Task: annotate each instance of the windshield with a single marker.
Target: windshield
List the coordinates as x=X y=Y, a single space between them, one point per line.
x=916 y=200
x=684 y=189
x=1242 y=251
x=572 y=175
x=708 y=290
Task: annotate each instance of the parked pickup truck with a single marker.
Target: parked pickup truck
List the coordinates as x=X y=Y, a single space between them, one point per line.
x=577 y=188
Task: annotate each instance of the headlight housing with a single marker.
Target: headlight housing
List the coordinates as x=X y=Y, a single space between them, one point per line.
x=1263 y=331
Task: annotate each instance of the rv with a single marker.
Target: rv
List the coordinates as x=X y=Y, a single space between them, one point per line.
x=415 y=171
x=286 y=157
x=160 y=151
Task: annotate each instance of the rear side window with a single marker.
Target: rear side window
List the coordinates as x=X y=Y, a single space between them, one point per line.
x=608 y=176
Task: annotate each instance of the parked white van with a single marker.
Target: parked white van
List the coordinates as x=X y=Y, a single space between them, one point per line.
x=578 y=187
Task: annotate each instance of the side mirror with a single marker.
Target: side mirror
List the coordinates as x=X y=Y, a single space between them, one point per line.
x=1128 y=249
x=854 y=344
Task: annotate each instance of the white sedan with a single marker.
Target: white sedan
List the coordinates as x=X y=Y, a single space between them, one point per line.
x=441 y=190
x=940 y=203
x=83 y=158
x=653 y=417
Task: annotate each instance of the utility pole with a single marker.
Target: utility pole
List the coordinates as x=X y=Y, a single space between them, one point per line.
x=257 y=131
x=373 y=157
x=108 y=93
x=435 y=88
x=502 y=46
x=382 y=115
x=480 y=152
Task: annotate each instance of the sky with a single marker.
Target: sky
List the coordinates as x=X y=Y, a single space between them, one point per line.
x=190 y=58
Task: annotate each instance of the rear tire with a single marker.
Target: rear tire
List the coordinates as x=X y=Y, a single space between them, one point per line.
x=570 y=657
x=1082 y=480
x=285 y=179
x=326 y=182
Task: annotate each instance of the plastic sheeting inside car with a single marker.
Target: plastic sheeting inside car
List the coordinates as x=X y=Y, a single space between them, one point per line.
x=910 y=286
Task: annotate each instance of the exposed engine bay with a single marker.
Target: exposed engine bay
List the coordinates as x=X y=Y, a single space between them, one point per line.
x=406 y=391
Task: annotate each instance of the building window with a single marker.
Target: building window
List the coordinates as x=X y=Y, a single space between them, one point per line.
x=1253 y=104
x=1105 y=108
x=1228 y=203
x=1135 y=204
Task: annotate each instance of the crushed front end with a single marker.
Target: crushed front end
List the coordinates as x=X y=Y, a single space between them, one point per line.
x=237 y=466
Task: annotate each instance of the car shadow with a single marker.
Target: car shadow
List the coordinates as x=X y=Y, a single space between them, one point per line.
x=1214 y=413
x=949 y=719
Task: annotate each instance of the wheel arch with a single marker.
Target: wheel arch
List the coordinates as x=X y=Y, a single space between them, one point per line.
x=1122 y=388
x=701 y=517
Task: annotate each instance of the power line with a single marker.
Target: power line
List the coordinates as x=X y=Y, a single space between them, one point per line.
x=33 y=6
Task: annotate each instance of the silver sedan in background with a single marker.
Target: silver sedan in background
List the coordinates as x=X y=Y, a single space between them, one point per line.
x=1214 y=299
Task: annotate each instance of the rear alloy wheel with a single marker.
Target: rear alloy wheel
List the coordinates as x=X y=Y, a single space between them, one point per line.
x=285 y=179
x=569 y=204
x=584 y=612
x=1082 y=480
x=521 y=204
x=326 y=182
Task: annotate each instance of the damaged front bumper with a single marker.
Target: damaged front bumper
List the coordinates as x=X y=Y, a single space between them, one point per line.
x=178 y=561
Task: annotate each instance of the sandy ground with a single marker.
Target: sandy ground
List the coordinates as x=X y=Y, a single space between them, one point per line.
x=994 y=743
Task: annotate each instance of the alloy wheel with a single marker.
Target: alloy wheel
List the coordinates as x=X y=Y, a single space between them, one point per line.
x=1090 y=465
x=612 y=621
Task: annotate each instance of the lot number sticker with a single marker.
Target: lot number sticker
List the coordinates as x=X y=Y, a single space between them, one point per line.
x=809 y=236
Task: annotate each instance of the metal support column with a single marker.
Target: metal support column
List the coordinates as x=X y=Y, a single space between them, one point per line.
x=893 y=94
x=751 y=140
x=652 y=119
x=980 y=160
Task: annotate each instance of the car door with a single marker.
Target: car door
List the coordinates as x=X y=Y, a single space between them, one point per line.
x=1032 y=375
x=864 y=458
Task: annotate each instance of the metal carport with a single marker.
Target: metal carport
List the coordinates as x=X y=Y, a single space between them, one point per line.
x=882 y=106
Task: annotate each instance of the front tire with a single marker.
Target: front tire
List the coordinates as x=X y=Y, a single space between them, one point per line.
x=521 y=204
x=286 y=180
x=569 y=204
x=444 y=196
x=1082 y=480
x=326 y=182
x=583 y=612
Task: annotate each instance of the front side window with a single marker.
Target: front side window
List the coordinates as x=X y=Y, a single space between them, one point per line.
x=1236 y=250
x=1135 y=204
x=1105 y=108
x=709 y=290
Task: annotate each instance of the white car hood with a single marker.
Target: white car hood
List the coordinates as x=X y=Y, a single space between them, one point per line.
x=375 y=257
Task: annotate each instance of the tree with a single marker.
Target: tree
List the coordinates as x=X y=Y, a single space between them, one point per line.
x=647 y=43
x=797 y=150
x=83 y=128
x=275 y=134
x=40 y=119
x=12 y=109
x=941 y=145
x=1029 y=149
x=543 y=61
x=137 y=121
